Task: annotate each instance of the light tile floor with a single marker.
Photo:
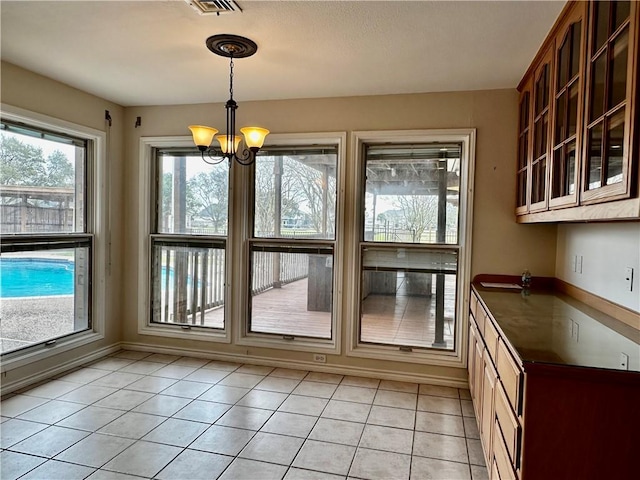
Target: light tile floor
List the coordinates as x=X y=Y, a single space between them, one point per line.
x=136 y=415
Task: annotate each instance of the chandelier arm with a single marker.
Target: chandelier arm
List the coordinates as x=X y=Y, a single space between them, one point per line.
x=211 y=159
x=247 y=158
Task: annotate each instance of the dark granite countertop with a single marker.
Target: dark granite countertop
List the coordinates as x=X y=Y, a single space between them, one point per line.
x=547 y=327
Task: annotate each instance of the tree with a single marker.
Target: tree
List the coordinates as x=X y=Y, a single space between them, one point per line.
x=24 y=164
x=20 y=163
x=418 y=211
x=307 y=185
x=60 y=171
x=208 y=197
x=264 y=211
x=265 y=194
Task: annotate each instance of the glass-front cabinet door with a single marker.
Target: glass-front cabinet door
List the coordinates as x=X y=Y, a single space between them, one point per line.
x=567 y=110
x=524 y=144
x=541 y=123
x=609 y=98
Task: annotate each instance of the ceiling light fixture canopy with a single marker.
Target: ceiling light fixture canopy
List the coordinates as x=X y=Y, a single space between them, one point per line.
x=230 y=46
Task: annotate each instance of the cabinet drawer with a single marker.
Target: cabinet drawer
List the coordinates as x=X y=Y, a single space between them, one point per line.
x=501 y=457
x=491 y=339
x=508 y=425
x=510 y=375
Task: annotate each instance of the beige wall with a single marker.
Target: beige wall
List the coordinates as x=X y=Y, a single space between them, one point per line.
x=26 y=90
x=499 y=244
x=607 y=249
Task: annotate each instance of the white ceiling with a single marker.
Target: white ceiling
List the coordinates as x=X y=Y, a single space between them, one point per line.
x=154 y=53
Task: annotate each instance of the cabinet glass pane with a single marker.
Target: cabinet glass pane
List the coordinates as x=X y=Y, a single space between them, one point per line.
x=540 y=136
x=601 y=24
x=598 y=75
x=615 y=148
x=556 y=185
x=563 y=62
x=620 y=14
x=564 y=170
x=538 y=181
x=561 y=112
x=594 y=158
x=573 y=110
x=524 y=112
x=576 y=30
x=618 y=70
x=523 y=150
x=522 y=188
x=570 y=169
x=542 y=90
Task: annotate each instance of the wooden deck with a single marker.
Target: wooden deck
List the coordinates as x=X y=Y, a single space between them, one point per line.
x=387 y=319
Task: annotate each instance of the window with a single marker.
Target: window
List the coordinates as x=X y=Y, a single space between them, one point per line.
x=414 y=238
x=47 y=211
x=188 y=243
x=292 y=249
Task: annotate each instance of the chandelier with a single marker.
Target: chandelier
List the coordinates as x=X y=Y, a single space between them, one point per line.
x=230 y=46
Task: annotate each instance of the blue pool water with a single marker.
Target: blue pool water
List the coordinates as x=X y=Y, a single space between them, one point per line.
x=35 y=277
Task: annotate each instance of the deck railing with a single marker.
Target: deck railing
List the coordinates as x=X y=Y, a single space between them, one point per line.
x=192 y=280
x=274 y=269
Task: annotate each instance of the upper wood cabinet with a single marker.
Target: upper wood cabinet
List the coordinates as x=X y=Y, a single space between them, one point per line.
x=578 y=118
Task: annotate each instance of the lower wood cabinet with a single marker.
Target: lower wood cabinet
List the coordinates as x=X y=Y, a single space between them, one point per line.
x=546 y=421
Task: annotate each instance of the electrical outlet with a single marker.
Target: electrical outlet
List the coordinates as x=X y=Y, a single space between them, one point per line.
x=624 y=361
x=628 y=279
x=575 y=330
x=319 y=358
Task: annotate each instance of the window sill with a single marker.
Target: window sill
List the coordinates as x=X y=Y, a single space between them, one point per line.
x=444 y=358
x=18 y=359
x=193 y=333
x=311 y=345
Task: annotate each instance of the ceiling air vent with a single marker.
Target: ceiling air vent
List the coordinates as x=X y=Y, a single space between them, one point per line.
x=210 y=7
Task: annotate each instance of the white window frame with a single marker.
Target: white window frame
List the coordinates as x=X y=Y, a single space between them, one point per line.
x=355 y=348
x=329 y=346
x=145 y=219
x=98 y=226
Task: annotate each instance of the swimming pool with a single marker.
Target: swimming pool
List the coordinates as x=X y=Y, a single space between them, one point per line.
x=35 y=277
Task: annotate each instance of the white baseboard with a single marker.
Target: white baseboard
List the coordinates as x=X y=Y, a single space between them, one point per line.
x=57 y=369
x=300 y=365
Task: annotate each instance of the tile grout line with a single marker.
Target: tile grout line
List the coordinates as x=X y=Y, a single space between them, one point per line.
x=191 y=400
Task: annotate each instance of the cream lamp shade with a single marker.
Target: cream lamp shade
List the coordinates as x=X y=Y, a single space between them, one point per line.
x=254 y=136
x=227 y=145
x=202 y=136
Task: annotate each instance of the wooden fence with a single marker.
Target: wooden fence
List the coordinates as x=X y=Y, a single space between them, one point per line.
x=27 y=218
